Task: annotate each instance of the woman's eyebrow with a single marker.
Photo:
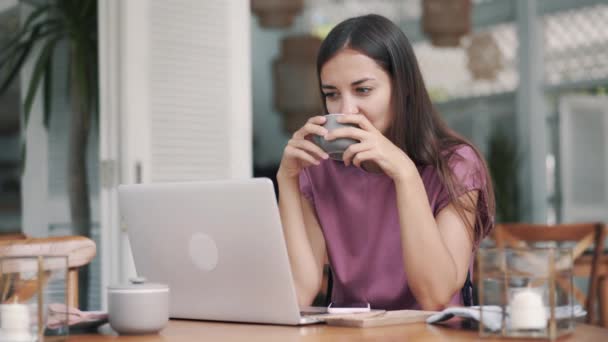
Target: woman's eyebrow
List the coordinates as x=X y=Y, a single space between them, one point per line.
x=361 y=81
x=327 y=86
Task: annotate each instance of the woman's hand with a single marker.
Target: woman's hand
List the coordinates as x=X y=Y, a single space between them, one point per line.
x=300 y=152
x=373 y=146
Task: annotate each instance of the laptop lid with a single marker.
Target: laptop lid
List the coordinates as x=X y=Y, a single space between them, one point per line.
x=218 y=245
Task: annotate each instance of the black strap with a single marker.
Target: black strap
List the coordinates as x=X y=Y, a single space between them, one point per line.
x=330 y=285
x=467 y=291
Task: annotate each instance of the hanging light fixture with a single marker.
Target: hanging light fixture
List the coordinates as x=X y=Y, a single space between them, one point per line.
x=485 y=57
x=276 y=13
x=446 y=21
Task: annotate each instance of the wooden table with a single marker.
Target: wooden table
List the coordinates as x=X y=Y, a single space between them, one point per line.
x=182 y=330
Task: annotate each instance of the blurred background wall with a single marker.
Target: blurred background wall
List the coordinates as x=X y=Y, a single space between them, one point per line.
x=506 y=83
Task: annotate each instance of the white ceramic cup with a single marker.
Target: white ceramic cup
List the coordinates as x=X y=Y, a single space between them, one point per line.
x=138 y=308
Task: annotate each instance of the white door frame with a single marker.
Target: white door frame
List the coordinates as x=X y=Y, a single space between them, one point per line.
x=109 y=141
x=117 y=158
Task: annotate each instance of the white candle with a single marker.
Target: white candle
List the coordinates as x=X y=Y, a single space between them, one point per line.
x=15 y=323
x=527 y=310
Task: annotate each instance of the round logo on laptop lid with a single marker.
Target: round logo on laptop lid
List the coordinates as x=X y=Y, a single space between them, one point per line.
x=203 y=251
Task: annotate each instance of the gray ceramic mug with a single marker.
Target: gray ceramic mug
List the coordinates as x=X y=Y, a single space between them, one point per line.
x=335 y=148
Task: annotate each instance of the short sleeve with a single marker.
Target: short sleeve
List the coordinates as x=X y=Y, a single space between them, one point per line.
x=306 y=185
x=469 y=175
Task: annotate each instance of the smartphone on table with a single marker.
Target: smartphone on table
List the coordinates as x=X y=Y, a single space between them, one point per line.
x=348 y=308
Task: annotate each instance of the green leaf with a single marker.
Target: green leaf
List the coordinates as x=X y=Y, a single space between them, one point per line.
x=40 y=36
x=27 y=33
x=86 y=9
x=25 y=27
x=7 y=54
x=89 y=61
x=48 y=91
x=39 y=69
x=80 y=76
x=22 y=55
x=39 y=11
x=23 y=156
x=95 y=86
x=69 y=10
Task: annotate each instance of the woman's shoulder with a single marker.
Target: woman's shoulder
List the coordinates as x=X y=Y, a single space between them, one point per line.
x=466 y=164
x=463 y=156
x=463 y=153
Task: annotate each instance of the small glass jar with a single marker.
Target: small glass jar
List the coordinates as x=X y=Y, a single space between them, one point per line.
x=29 y=287
x=525 y=292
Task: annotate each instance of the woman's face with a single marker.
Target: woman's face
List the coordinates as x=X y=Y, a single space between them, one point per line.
x=353 y=83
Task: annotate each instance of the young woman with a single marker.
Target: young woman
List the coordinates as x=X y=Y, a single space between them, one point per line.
x=399 y=218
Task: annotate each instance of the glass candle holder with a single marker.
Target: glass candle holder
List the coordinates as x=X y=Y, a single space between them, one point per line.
x=29 y=285
x=525 y=292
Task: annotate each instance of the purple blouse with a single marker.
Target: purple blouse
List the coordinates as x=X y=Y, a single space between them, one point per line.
x=358 y=215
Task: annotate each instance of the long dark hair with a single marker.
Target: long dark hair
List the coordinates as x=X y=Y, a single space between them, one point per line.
x=417 y=127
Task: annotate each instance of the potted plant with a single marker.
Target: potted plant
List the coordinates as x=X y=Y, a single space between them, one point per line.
x=503 y=162
x=75 y=23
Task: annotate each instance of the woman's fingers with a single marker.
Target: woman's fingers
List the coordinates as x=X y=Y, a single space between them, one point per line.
x=301 y=152
x=361 y=157
x=357 y=119
x=317 y=120
x=308 y=129
x=347 y=132
x=353 y=150
x=301 y=155
x=308 y=147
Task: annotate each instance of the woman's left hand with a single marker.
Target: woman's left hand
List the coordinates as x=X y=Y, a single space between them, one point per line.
x=373 y=146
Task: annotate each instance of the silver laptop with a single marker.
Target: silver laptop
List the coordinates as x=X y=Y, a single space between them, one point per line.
x=218 y=245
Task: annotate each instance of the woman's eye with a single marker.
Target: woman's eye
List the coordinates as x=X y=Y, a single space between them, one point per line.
x=330 y=95
x=363 y=90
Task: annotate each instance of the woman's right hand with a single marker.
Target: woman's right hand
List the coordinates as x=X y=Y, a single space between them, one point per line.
x=300 y=151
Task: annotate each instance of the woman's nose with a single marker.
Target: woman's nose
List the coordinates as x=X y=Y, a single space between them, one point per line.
x=348 y=106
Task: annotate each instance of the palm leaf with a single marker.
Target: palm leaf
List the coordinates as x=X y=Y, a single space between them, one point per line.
x=10 y=55
x=48 y=88
x=18 y=56
x=69 y=10
x=39 y=30
x=23 y=157
x=39 y=71
x=89 y=69
x=86 y=9
x=37 y=13
x=26 y=26
x=81 y=77
x=21 y=56
x=95 y=84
